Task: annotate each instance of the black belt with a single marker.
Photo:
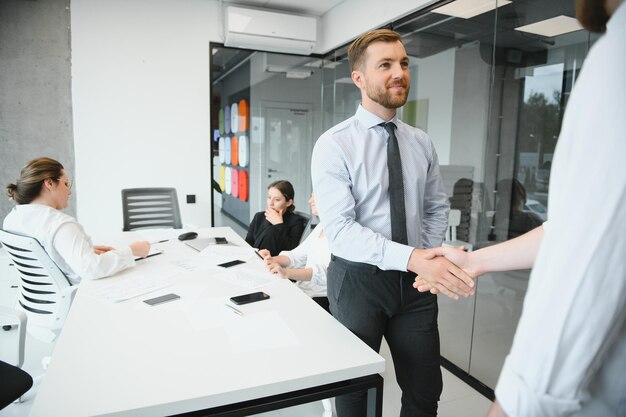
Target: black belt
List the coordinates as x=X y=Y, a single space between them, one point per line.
x=372 y=269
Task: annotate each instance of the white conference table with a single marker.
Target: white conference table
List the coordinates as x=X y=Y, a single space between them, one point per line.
x=130 y=359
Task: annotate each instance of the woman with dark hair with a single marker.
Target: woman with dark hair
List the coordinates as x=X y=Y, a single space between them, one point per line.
x=42 y=190
x=277 y=228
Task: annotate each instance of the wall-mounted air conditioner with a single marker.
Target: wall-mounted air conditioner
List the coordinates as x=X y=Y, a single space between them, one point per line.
x=269 y=31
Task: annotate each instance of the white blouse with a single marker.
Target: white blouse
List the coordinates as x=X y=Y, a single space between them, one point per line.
x=313 y=253
x=66 y=242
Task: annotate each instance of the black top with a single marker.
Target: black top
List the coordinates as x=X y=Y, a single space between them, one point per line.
x=275 y=238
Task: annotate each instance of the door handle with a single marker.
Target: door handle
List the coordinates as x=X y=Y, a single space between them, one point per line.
x=272 y=170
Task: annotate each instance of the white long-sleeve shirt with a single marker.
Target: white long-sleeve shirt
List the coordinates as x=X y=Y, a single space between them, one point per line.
x=64 y=239
x=312 y=253
x=351 y=185
x=569 y=352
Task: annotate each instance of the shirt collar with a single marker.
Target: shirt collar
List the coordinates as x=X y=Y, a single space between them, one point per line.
x=617 y=20
x=369 y=119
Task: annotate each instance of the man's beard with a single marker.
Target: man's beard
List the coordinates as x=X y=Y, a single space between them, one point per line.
x=384 y=97
x=592 y=14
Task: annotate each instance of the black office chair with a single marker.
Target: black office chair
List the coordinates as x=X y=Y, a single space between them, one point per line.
x=308 y=225
x=15 y=383
x=145 y=208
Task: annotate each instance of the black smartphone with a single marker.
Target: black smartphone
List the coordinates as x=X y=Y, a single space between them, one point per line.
x=162 y=299
x=249 y=298
x=231 y=263
x=221 y=241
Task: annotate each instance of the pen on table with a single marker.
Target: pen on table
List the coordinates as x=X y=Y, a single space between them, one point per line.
x=151 y=255
x=235 y=310
x=259 y=255
x=163 y=241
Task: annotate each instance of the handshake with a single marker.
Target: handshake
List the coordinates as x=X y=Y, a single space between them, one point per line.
x=446 y=270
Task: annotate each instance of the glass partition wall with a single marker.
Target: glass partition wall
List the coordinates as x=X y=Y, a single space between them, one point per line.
x=489 y=85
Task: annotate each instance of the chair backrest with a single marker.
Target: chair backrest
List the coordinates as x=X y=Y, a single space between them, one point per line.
x=454 y=219
x=45 y=292
x=307 y=226
x=145 y=208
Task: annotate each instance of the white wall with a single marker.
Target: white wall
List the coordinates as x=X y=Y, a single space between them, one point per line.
x=140 y=86
x=140 y=89
x=435 y=82
x=470 y=110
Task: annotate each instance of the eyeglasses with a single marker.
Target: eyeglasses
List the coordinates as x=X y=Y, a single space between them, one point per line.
x=68 y=183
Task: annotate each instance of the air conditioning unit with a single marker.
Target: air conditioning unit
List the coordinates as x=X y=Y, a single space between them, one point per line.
x=269 y=31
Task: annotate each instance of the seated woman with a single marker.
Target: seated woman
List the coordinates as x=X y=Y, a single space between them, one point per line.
x=278 y=227
x=42 y=190
x=307 y=263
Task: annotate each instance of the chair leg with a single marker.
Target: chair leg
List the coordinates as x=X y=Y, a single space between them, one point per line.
x=328 y=408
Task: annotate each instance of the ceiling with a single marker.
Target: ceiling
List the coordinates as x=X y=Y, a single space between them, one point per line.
x=314 y=8
x=430 y=33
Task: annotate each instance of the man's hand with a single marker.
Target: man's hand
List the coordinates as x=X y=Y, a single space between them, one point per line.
x=276 y=269
x=99 y=250
x=440 y=274
x=457 y=256
x=273 y=216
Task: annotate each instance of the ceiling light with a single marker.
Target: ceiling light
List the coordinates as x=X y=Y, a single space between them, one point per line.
x=552 y=27
x=466 y=9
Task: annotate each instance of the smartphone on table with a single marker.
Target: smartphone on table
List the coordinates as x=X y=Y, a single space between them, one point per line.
x=231 y=263
x=249 y=298
x=161 y=299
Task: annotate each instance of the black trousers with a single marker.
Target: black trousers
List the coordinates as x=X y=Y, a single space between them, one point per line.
x=373 y=303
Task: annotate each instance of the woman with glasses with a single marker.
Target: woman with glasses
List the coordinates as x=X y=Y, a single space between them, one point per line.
x=44 y=189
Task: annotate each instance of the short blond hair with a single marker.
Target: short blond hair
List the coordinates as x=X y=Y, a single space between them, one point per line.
x=356 y=51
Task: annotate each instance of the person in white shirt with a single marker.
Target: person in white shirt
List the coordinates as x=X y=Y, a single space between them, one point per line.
x=44 y=189
x=306 y=264
x=569 y=352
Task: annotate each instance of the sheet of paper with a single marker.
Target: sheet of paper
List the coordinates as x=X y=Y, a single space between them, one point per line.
x=259 y=331
x=248 y=278
x=133 y=282
x=130 y=288
x=159 y=235
x=206 y=313
x=228 y=252
x=197 y=263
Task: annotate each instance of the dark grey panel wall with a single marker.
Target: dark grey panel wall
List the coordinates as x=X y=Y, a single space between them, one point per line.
x=35 y=88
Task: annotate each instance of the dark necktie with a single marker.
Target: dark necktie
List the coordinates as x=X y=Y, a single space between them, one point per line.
x=396 y=186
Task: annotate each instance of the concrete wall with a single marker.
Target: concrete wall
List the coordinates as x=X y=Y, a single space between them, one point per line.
x=35 y=98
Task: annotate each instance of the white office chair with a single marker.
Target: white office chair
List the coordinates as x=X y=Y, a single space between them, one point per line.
x=45 y=294
x=12 y=336
x=454 y=219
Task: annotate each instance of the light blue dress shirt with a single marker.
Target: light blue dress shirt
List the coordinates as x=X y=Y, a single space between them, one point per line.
x=351 y=186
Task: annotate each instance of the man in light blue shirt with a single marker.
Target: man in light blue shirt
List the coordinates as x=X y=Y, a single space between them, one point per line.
x=373 y=265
